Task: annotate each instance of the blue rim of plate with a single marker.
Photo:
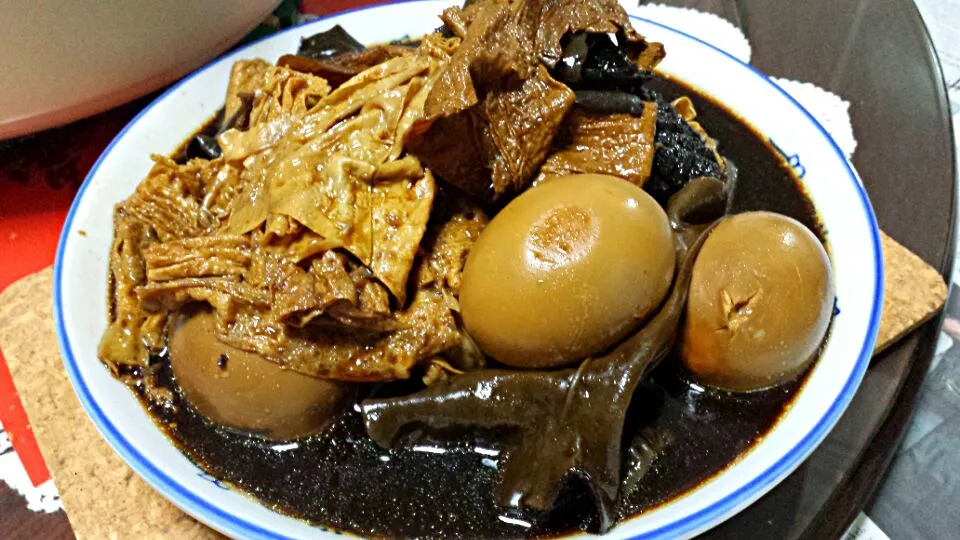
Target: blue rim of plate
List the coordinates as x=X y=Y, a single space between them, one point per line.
x=235 y=525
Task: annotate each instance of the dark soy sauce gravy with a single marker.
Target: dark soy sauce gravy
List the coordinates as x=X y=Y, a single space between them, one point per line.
x=341 y=480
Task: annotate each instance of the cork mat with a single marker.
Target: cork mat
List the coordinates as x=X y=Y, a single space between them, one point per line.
x=101 y=494
x=105 y=499
x=913 y=292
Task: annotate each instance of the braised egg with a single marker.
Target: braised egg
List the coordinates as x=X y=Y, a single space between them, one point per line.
x=761 y=298
x=565 y=270
x=242 y=389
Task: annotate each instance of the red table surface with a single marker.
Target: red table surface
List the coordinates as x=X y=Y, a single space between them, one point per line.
x=39 y=176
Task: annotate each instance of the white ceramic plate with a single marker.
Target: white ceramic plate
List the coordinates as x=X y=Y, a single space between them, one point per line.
x=81 y=270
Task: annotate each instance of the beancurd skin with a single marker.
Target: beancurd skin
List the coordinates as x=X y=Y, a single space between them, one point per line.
x=760 y=303
x=565 y=269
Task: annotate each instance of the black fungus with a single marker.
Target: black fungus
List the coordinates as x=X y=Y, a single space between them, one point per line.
x=329 y=44
x=692 y=209
x=641 y=455
x=681 y=154
x=570 y=67
x=203 y=146
x=595 y=62
x=607 y=63
x=609 y=102
x=240 y=119
x=700 y=203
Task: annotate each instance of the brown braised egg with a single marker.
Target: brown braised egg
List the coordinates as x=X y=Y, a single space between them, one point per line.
x=243 y=390
x=761 y=298
x=565 y=269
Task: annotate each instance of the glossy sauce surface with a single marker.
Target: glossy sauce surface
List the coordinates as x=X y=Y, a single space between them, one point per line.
x=341 y=480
